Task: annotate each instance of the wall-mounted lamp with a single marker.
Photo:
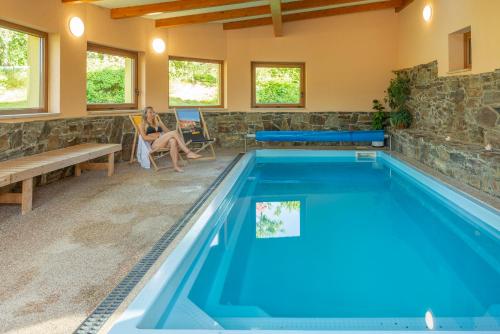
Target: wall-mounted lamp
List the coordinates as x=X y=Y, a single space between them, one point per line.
x=427 y=13
x=159 y=45
x=76 y=26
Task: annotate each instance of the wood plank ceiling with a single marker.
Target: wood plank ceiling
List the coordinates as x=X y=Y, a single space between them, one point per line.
x=239 y=14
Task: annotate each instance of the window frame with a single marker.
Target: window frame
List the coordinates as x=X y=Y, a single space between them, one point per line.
x=201 y=60
x=468 y=50
x=98 y=48
x=44 y=69
x=301 y=65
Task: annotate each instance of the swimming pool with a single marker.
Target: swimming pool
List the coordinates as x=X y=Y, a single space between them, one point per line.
x=297 y=240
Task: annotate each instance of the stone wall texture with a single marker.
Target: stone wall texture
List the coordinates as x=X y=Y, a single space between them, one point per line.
x=464 y=107
x=469 y=163
x=229 y=128
x=467 y=109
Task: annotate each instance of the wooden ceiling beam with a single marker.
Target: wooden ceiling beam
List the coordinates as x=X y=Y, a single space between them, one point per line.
x=215 y=16
x=276 y=17
x=78 y=1
x=245 y=12
x=306 y=4
x=165 y=7
x=403 y=5
x=315 y=14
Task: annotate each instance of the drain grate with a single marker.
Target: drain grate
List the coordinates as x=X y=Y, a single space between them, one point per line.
x=108 y=306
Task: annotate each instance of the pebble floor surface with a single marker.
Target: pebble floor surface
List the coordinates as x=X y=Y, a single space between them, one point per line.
x=83 y=236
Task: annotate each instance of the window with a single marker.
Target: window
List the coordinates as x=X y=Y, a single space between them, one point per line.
x=23 y=69
x=111 y=78
x=460 y=50
x=276 y=85
x=196 y=82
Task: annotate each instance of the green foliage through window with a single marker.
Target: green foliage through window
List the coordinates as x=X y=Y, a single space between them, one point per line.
x=194 y=83
x=15 y=70
x=107 y=79
x=278 y=85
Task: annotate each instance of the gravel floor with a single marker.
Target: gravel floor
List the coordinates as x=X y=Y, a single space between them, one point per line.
x=83 y=236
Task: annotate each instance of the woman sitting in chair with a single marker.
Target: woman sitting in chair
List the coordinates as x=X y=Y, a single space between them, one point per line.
x=154 y=131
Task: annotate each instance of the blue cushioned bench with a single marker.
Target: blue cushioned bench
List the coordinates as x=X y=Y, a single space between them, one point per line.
x=320 y=136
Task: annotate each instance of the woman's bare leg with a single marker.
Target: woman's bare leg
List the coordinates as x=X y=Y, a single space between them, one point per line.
x=174 y=153
x=164 y=140
x=190 y=154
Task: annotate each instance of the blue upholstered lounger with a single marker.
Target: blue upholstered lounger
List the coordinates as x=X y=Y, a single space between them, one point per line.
x=319 y=136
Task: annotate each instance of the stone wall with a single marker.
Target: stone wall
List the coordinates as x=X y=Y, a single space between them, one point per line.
x=465 y=107
x=467 y=163
x=230 y=128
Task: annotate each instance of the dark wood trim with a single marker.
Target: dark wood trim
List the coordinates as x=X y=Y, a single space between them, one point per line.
x=300 y=65
x=134 y=55
x=222 y=80
x=467 y=50
x=20 y=28
x=44 y=68
x=111 y=50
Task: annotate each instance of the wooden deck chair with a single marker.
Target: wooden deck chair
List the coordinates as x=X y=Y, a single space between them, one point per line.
x=193 y=129
x=154 y=155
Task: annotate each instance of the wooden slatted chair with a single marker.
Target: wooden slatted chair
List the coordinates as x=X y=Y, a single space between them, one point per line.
x=154 y=155
x=193 y=129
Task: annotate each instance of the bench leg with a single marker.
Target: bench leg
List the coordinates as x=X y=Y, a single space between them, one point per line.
x=27 y=196
x=111 y=164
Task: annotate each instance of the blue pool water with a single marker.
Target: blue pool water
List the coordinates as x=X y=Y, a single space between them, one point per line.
x=336 y=243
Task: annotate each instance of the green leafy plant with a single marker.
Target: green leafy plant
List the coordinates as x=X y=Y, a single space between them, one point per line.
x=402 y=118
x=379 y=118
x=398 y=95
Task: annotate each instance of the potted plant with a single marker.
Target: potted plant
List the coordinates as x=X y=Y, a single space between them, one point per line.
x=398 y=95
x=379 y=120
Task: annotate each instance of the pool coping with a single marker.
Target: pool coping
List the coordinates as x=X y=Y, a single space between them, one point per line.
x=385 y=155
x=110 y=304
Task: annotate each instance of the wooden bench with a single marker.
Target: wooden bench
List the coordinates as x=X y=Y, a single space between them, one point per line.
x=26 y=168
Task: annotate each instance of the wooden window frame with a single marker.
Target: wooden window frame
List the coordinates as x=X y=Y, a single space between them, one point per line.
x=134 y=55
x=201 y=60
x=467 y=50
x=301 y=65
x=44 y=81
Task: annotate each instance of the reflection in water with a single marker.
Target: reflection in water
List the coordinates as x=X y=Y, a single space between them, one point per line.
x=429 y=320
x=277 y=219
